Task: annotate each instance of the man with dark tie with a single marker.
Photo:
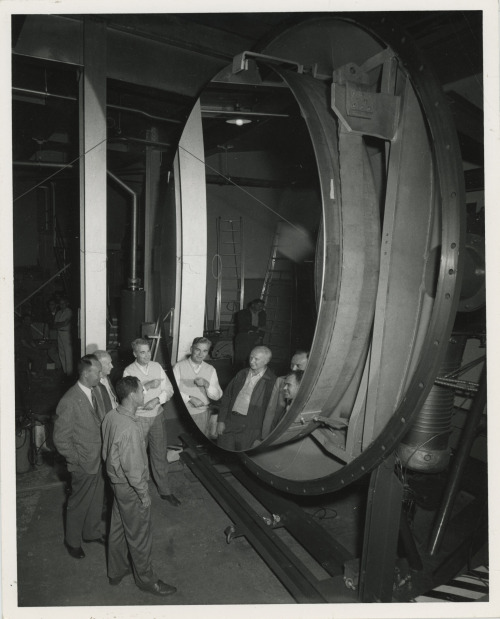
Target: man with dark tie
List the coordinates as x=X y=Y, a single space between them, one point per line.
x=77 y=437
x=105 y=386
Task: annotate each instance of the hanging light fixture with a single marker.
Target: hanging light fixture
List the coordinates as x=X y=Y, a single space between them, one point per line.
x=238 y=121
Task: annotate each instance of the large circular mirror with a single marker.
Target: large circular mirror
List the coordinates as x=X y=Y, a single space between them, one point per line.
x=344 y=149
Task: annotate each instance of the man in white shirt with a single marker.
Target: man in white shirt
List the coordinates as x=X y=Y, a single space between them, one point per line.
x=158 y=390
x=62 y=323
x=198 y=382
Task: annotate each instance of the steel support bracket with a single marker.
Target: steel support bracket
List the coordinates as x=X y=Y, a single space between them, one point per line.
x=362 y=111
x=241 y=62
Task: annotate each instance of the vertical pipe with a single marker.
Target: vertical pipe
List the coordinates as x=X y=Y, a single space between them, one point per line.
x=133 y=281
x=242 y=266
x=467 y=438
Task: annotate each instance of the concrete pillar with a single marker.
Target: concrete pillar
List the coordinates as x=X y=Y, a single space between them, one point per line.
x=93 y=188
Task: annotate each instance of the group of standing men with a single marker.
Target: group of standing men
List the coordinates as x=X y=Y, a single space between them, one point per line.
x=99 y=428
x=95 y=424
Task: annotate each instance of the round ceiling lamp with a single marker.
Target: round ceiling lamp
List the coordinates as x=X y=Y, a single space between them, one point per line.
x=238 y=121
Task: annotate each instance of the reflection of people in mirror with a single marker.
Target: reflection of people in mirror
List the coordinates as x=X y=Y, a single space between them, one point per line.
x=198 y=382
x=244 y=402
x=250 y=329
x=277 y=404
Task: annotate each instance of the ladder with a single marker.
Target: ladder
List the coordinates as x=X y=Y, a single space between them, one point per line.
x=279 y=298
x=230 y=272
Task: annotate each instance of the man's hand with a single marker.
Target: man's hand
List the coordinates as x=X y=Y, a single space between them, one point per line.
x=151 y=404
x=146 y=500
x=152 y=384
x=201 y=382
x=196 y=402
x=221 y=427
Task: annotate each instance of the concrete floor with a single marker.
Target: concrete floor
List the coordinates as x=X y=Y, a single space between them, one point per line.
x=190 y=549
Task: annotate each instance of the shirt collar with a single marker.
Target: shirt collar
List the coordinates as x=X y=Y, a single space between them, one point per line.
x=86 y=390
x=196 y=367
x=124 y=411
x=143 y=368
x=259 y=374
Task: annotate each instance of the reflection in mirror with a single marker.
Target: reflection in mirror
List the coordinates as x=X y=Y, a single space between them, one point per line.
x=263 y=217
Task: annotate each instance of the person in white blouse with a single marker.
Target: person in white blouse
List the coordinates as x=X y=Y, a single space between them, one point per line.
x=198 y=382
x=157 y=390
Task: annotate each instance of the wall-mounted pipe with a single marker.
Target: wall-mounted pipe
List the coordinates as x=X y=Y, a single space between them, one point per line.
x=133 y=280
x=42 y=164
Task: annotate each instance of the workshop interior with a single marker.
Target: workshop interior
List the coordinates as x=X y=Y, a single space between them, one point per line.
x=170 y=168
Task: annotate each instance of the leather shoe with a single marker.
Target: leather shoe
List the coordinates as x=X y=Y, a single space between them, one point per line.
x=76 y=553
x=171 y=498
x=158 y=588
x=117 y=580
x=98 y=540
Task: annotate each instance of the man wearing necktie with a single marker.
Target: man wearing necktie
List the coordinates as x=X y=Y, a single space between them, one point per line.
x=105 y=386
x=77 y=437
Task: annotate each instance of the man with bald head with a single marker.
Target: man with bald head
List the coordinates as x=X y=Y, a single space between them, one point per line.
x=244 y=402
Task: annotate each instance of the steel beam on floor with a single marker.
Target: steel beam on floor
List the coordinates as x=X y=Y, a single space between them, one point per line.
x=329 y=553
x=293 y=574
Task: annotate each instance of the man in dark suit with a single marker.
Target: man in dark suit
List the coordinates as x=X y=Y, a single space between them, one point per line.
x=250 y=329
x=244 y=403
x=105 y=386
x=77 y=436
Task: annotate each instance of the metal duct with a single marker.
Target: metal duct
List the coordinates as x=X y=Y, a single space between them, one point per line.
x=425 y=447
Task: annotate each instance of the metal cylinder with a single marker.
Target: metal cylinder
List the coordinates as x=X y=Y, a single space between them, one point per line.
x=425 y=448
x=132 y=316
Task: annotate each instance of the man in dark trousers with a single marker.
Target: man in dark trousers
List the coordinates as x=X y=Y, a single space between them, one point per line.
x=244 y=403
x=77 y=437
x=250 y=329
x=124 y=451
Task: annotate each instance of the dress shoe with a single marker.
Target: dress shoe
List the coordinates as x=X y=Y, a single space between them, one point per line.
x=76 y=553
x=158 y=588
x=117 y=580
x=98 y=540
x=171 y=498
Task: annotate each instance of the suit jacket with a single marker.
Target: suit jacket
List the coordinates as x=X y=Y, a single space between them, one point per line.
x=106 y=400
x=77 y=431
x=258 y=400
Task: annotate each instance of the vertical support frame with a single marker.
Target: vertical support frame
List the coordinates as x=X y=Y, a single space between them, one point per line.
x=93 y=229
x=191 y=195
x=383 y=514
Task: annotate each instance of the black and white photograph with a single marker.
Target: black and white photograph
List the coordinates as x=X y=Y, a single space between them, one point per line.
x=244 y=282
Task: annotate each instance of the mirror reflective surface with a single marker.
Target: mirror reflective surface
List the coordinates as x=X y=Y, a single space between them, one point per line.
x=263 y=218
